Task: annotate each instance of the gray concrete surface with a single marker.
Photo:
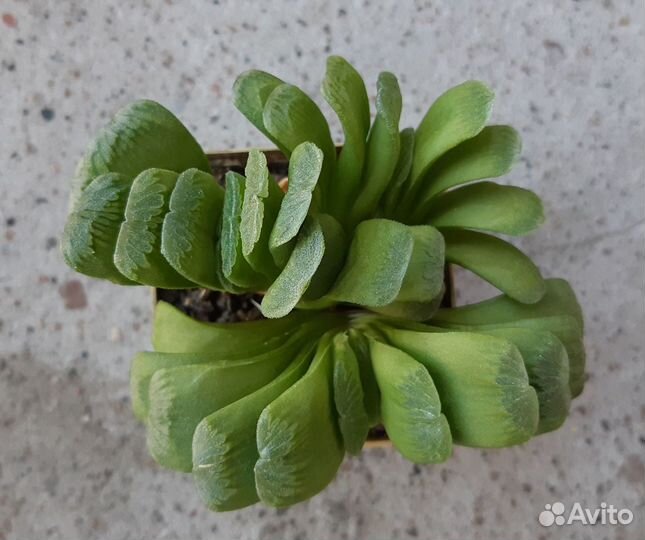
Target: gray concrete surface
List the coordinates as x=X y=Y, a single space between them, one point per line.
x=569 y=75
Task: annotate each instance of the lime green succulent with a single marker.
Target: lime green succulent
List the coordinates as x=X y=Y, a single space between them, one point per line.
x=350 y=262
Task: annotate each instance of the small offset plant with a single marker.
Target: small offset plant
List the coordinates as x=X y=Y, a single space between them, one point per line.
x=350 y=257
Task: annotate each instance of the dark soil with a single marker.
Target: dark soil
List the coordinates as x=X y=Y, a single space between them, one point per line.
x=214 y=306
x=236 y=161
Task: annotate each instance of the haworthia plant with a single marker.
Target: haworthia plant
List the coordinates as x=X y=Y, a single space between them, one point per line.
x=481 y=381
x=224 y=449
x=359 y=343
x=189 y=228
x=148 y=215
x=262 y=198
x=383 y=145
x=547 y=365
x=137 y=254
x=349 y=396
x=489 y=154
x=91 y=232
x=376 y=264
x=141 y=136
x=299 y=443
x=344 y=90
x=410 y=406
x=304 y=171
x=457 y=116
x=288 y=288
x=558 y=312
x=291 y=117
x=180 y=396
x=349 y=254
x=497 y=261
x=487 y=206
x=250 y=94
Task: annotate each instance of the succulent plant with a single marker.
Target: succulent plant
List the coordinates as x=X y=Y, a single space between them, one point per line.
x=350 y=257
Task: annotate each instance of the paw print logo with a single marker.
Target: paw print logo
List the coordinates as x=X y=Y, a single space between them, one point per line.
x=551 y=514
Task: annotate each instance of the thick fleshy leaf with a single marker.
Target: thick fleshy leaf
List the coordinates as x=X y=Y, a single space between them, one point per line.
x=293 y=118
x=235 y=267
x=558 y=312
x=424 y=276
x=312 y=268
x=185 y=341
x=457 y=115
x=487 y=206
x=333 y=258
x=376 y=263
x=396 y=189
x=146 y=364
x=547 y=366
x=344 y=90
x=371 y=393
x=304 y=169
x=383 y=147
x=142 y=135
x=93 y=226
x=482 y=383
x=176 y=332
x=490 y=154
x=568 y=331
x=348 y=396
x=297 y=437
x=224 y=443
x=559 y=299
x=262 y=198
x=287 y=290
x=410 y=406
x=137 y=254
x=423 y=287
x=496 y=261
x=250 y=92
x=179 y=397
x=191 y=227
x=565 y=327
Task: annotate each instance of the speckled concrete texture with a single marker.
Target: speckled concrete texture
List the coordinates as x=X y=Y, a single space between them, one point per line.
x=569 y=75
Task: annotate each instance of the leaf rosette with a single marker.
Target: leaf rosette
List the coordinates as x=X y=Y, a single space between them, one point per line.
x=350 y=261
